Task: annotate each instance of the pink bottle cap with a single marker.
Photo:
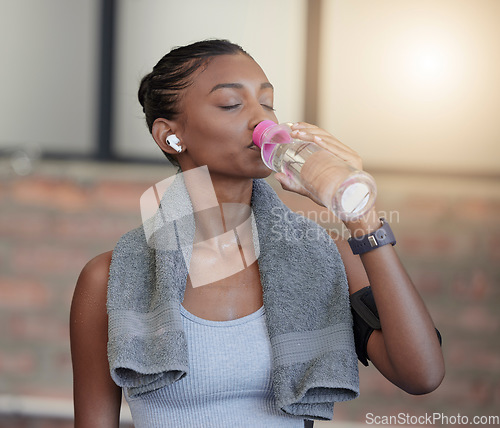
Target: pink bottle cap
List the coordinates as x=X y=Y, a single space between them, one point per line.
x=259 y=130
x=281 y=136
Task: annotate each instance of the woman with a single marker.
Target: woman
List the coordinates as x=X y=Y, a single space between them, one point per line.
x=202 y=102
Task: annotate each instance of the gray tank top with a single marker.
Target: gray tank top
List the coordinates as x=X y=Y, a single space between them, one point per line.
x=228 y=384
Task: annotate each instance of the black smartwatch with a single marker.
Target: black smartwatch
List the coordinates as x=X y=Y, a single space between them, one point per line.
x=378 y=238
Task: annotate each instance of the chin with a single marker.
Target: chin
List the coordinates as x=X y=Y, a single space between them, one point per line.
x=264 y=175
x=262 y=172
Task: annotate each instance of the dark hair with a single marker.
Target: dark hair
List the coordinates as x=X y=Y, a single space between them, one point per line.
x=159 y=91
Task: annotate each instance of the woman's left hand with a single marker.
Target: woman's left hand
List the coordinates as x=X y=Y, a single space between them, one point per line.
x=313 y=134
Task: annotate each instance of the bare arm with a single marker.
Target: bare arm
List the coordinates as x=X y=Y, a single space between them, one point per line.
x=97 y=398
x=406 y=350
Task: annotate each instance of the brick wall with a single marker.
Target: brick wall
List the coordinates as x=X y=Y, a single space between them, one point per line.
x=64 y=213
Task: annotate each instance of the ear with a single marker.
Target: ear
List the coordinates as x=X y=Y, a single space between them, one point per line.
x=162 y=128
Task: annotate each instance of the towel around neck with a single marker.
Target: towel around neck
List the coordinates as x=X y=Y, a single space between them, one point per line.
x=305 y=297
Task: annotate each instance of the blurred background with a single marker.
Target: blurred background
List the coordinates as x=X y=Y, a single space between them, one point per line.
x=411 y=85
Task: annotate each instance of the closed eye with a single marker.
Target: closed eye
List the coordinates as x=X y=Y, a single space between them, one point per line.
x=268 y=107
x=231 y=107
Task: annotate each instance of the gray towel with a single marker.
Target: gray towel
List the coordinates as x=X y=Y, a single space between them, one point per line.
x=305 y=298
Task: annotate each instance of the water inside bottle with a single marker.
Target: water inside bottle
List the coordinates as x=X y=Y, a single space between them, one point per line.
x=290 y=158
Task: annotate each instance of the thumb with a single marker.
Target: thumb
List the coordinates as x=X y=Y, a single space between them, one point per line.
x=284 y=180
x=288 y=183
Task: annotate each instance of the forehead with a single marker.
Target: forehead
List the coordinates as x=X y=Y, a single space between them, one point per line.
x=238 y=68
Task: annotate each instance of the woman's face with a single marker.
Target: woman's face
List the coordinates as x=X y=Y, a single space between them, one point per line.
x=219 y=111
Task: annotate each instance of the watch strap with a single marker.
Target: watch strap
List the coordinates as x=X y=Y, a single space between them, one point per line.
x=380 y=237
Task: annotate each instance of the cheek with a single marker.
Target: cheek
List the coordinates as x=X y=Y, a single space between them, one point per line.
x=207 y=145
x=210 y=137
x=201 y=127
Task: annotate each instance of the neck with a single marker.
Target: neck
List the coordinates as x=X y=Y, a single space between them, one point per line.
x=232 y=191
x=219 y=203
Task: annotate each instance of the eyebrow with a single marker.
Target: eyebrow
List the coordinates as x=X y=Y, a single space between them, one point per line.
x=264 y=85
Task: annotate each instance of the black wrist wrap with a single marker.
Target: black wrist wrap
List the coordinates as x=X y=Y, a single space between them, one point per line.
x=366 y=319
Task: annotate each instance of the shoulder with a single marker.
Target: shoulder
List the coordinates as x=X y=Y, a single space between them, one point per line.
x=91 y=287
x=88 y=315
x=96 y=271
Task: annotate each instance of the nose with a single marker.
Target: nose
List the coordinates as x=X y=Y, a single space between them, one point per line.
x=260 y=113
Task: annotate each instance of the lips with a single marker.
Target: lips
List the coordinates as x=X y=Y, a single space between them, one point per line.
x=253 y=146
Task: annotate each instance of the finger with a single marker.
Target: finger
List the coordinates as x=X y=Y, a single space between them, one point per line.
x=334 y=146
x=311 y=133
x=326 y=141
x=287 y=183
x=346 y=154
x=306 y=130
x=302 y=125
x=326 y=137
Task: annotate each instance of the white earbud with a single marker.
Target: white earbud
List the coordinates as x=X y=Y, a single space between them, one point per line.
x=173 y=142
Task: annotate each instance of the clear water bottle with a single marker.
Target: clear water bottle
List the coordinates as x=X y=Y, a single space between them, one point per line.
x=348 y=192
